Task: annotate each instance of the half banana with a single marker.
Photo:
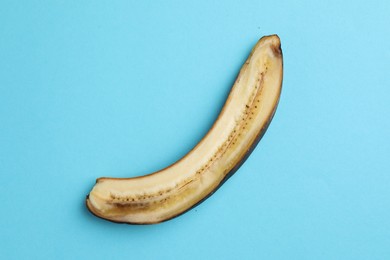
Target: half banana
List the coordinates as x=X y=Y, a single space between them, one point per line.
x=242 y=122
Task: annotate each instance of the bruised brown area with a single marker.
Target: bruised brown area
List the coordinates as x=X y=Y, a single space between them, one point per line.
x=277 y=50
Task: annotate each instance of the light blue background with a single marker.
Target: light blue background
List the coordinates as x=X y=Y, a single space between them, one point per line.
x=124 y=88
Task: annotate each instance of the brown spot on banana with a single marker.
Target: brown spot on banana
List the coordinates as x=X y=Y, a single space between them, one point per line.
x=174 y=190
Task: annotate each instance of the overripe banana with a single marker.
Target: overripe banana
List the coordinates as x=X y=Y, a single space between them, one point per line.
x=242 y=122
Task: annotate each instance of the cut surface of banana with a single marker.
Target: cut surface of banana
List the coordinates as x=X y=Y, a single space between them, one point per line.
x=244 y=118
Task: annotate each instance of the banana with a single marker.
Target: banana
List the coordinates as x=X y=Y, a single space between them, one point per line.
x=167 y=193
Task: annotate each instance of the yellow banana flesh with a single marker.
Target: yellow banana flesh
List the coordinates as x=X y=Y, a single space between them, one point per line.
x=242 y=122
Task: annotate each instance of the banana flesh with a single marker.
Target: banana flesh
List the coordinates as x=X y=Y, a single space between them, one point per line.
x=167 y=193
